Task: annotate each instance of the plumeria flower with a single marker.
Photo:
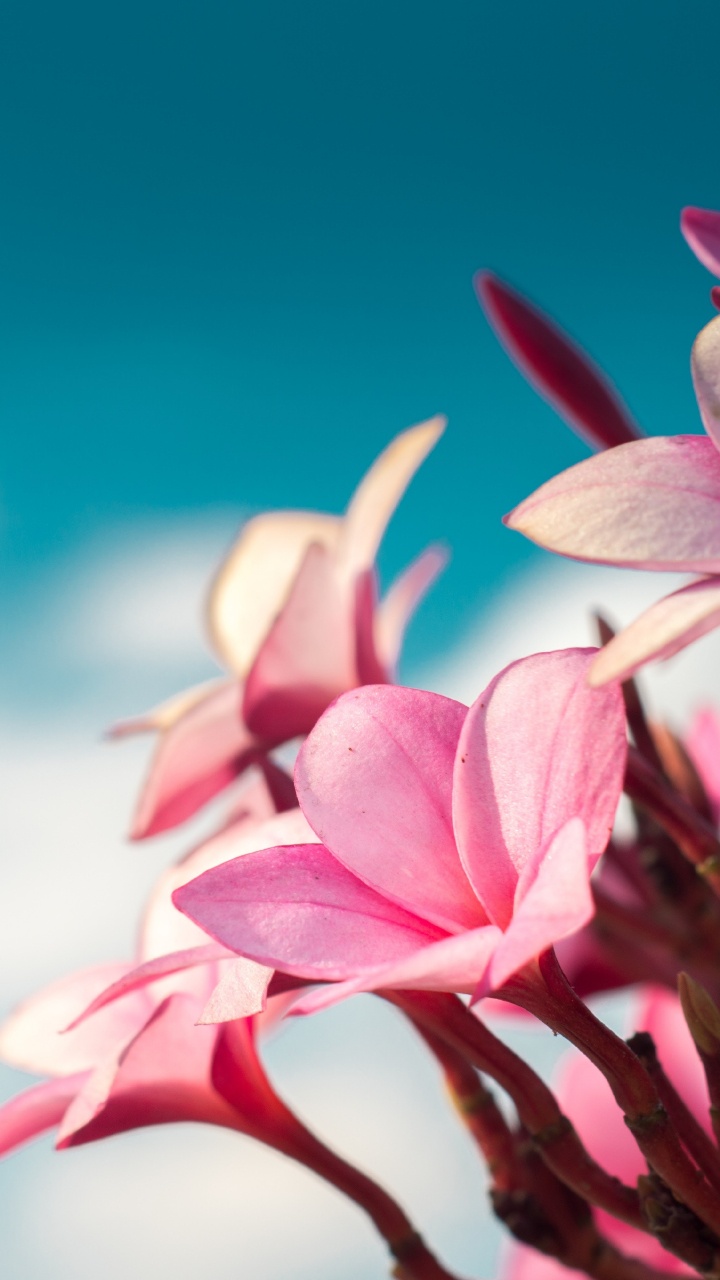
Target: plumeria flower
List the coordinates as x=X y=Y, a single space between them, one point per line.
x=142 y=1060
x=649 y=504
x=294 y=618
x=585 y=1098
x=456 y=844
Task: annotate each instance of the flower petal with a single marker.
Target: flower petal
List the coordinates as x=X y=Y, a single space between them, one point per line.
x=308 y=657
x=36 y=1110
x=555 y=366
x=297 y=909
x=255 y=580
x=374 y=780
x=701 y=229
x=553 y=902
x=538 y=747
x=31 y=1038
x=240 y=993
x=400 y=602
x=703 y=744
x=456 y=963
x=205 y=750
x=164 y=929
x=162 y=1075
x=380 y=491
x=652 y=504
x=705 y=367
x=152 y=971
x=661 y=631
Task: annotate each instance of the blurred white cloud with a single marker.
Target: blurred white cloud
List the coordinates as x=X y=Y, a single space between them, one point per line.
x=550 y=606
x=184 y=1200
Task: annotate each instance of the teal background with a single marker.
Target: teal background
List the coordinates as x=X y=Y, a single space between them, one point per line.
x=237 y=242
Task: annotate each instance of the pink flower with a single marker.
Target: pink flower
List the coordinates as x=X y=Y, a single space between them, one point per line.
x=457 y=845
x=701 y=229
x=585 y=1098
x=142 y=1060
x=293 y=616
x=649 y=504
x=558 y=369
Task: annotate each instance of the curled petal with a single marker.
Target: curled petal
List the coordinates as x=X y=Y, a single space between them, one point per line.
x=374 y=780
x=31 y=1038
x=297 y=909
x=652 y=504
x=701 y=229
x=557 y=368
x=165 y=715
x=553 y=902
x=164 y=928
x=308 y=657
x=37 y=1110
x=661 y=631
x=241 y=992
x=152 y=971
x=380 y=491
x=456 y=963
x=162 y=1075
x=205 y=750
x=537 y=748
x=255 y=580
x=705 y=367
x=401 y=601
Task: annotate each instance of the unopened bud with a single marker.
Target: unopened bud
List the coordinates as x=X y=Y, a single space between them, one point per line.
x=701 y=1014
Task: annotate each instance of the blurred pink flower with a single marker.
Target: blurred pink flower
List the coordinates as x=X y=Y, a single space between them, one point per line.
x=585 y=1098
x=457 y=845
x=294 y=618
x=142 y=1060
x=555 y=366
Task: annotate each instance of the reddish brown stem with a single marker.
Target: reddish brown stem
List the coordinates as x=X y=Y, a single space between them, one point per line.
x=240 y=1078
x=691 y=1133
x=547 y=993
x=552 y=1133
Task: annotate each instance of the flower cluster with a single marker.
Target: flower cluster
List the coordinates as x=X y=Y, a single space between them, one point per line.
x=436 y=854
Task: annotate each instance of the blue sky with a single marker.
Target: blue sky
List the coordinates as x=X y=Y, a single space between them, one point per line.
x=236 y=251
x=237 y=242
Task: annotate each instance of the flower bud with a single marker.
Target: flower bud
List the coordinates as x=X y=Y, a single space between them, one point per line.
x=701 y=1014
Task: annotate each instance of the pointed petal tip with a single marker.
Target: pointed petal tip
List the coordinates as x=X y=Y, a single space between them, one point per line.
x=701 y=229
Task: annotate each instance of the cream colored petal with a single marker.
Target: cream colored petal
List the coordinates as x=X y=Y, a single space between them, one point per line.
x=380 y=491
x=255 y=579
x=705 y=367
x=165 y=714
